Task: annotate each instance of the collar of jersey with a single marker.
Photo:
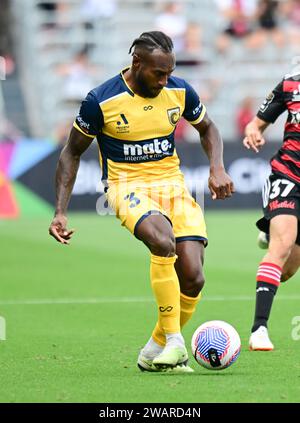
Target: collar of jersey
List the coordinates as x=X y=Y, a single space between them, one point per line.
x=132 y=93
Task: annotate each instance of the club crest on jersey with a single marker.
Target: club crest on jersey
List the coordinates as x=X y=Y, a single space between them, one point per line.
x=296 y=94
x=174 y=115
x=267 y=101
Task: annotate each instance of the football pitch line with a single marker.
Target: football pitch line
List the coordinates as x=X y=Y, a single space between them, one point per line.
x=118 y=300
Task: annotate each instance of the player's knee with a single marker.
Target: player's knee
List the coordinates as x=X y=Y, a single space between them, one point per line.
x=162 y=244
x=283 y=250
x=287 y=247
x=193 y=283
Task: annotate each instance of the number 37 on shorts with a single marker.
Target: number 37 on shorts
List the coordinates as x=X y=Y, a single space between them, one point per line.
x=281 y=196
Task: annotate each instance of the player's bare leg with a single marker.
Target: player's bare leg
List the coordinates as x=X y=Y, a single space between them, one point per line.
x=189 y=271
x=292 y=264
x=283 y=232
x=189 y=268
x=156 y=232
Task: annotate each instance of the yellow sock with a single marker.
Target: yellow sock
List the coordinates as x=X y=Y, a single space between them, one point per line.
x=187 y=308
x=165 y=286
x=158 y=335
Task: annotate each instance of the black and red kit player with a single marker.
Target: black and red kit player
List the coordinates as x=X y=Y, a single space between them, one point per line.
x=281 y=202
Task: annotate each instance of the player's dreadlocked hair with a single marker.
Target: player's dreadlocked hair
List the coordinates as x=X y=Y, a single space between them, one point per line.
x=152 y=40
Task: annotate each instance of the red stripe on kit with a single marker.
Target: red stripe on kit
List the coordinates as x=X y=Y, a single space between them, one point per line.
x=284 y=169
x=270 y=273
x=287 y=158
x=290 y=86
x=265 y=263
x=291 y=127
x=291 y=145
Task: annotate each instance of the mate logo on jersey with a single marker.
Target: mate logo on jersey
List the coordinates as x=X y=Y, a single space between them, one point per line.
x=156 y=149
x=174 y=115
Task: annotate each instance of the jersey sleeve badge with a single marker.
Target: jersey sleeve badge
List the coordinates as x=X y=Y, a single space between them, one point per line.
x=174 y=115
x=267 y=101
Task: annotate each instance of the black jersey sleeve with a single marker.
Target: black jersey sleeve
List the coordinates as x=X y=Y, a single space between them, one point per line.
x=89 y=120
x=194 y=110
x=273 y=106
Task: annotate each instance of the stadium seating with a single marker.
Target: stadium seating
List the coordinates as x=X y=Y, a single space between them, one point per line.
x=48 y=39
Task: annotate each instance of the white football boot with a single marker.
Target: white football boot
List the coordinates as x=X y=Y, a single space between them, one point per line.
x=170 y=357
x=173 y=359
x=147 y=354
x=145 y=364
x=260 y=341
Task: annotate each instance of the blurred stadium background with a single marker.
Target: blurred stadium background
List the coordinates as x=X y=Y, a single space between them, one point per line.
x=52 y=53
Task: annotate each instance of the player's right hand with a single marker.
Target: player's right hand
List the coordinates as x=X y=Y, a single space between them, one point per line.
x=253 y=138
x=58 y=229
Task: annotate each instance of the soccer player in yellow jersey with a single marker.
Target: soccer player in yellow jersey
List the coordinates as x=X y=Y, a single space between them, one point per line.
x=134 y=117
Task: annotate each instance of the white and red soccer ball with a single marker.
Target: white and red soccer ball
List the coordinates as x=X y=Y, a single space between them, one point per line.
x=216 y=345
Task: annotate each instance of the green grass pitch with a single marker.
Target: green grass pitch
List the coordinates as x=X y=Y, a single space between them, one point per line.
x=77 y=316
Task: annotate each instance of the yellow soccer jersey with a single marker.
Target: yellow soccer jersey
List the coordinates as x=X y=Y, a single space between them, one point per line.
x=135 y=134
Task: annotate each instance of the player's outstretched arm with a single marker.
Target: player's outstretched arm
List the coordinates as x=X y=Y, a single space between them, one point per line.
x=219 y=183
x=253 y=134
x=66 y=172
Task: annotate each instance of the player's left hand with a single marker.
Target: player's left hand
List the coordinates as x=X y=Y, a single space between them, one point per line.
x=220 y=185
x=58 y=229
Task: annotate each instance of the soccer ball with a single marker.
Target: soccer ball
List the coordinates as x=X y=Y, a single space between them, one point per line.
x=216 y=345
